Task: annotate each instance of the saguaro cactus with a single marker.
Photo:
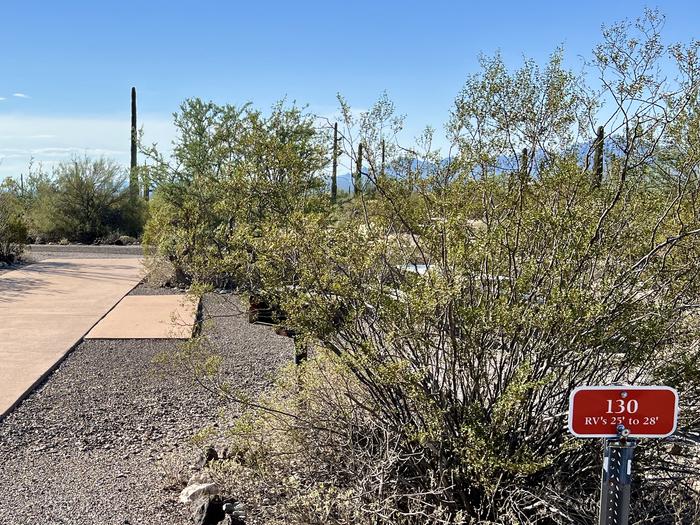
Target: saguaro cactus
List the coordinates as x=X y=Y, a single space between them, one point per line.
x=598 y=157
x=358 y=174
x=133 y=178
x=524 y=165
x=383 y=158
x=334 y=176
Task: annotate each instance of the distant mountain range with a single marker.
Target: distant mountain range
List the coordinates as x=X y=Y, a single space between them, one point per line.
x=345 y=179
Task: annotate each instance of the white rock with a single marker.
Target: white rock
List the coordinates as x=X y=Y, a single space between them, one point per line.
x=192 y=492
x=200 y=478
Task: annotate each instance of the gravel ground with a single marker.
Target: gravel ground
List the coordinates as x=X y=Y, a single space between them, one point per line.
x=41 y=252
x=96 y=443
x=85 y=249
x=147 y=289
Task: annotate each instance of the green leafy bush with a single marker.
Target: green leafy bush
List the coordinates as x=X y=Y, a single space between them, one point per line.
x=13 y=230
x=236 y=173
x=92 y=199
x=83 y=200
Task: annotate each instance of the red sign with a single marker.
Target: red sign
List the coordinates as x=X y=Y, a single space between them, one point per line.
x=646 y=411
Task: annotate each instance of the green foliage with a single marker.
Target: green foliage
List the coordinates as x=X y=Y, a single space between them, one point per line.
x=236 y=175
x=83 y=200
x=453 y=308
x=13 y=230
x=91 y=200
x=498 y=113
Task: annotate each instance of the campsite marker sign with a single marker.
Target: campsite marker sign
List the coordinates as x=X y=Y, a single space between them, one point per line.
x=646 y=411
x=621 y=414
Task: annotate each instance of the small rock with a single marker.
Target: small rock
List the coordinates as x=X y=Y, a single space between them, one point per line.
x=676 y=450
x=239 y=511
x=209 y=511
x=193 y=492
x=208 y=456
x=200 y=478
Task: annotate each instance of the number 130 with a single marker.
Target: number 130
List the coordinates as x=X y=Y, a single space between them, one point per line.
x=621 y=406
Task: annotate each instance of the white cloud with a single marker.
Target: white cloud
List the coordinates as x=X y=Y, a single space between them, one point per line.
x=50 y=140
x=20 y=95
x=27 y=137
x=3 y=98
x=11 y=151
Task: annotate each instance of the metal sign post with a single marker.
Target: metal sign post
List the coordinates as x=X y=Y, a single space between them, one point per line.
x=617 y=479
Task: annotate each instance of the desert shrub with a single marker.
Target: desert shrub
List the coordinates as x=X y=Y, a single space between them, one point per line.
x=91 y=199
x=83 y=200
x=236 y=173
x=37 y=196
x=13 y=230
x=443 y=398
x=440 y=396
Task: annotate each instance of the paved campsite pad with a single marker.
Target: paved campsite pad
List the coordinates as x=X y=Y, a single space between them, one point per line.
x=46 y=308
x=149 y=317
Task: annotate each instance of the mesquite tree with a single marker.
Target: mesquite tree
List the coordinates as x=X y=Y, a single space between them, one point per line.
x=235 y=174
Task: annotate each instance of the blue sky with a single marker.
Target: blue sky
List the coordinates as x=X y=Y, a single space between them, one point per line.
x=75 y=61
